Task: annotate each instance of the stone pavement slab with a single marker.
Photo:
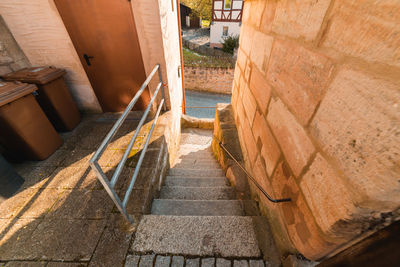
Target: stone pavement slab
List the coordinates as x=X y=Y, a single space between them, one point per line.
x=78 y=158
x=25 y=264
x=70 y=178
x=34 y=176
x=82 y=204
x=63 y=239
x=11 y=206
x=15 y=238
x=41 y=203
x=114 y=243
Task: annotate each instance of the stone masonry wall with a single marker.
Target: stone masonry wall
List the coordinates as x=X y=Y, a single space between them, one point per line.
x=11 y=56
x=216 y=80
x=316 y=99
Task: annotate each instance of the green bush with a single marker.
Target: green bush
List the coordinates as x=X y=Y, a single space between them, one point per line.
x=230 y=43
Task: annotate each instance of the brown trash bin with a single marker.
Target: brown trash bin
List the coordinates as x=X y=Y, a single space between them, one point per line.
x=25 y=133
x=53 y=95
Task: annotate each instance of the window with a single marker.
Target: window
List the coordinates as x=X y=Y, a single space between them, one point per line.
x=228 y=4
x=225 y=31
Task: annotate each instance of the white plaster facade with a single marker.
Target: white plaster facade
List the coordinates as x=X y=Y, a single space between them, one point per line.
x=216 y=31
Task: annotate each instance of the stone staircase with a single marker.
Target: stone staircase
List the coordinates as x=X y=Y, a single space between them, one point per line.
x=197 y=213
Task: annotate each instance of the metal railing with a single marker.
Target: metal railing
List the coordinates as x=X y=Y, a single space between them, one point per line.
x=250 y=176
x=109 y=185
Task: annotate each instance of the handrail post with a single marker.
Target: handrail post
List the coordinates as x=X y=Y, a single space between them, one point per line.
x=162 y=87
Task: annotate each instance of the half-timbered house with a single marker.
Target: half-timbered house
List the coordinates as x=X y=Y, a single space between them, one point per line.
x=226 y=20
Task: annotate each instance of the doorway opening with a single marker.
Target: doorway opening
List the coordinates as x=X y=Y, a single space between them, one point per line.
x=209 y=56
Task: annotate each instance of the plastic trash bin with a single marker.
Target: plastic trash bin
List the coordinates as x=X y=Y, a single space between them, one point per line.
x=53 y=95
x=26 y=133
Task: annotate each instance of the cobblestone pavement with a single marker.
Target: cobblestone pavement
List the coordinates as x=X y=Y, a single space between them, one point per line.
x=180 y=261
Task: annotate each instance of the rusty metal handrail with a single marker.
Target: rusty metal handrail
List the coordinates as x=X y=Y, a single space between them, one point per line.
x=250 y=176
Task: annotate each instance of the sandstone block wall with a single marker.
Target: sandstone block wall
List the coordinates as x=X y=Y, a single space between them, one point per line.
x=316 y=98
x=11 y=56
x=216 y=80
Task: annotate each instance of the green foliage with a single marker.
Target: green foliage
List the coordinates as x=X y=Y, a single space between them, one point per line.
x=193 y=59
x=201 y=8
x=205 y=23
x=230 y=43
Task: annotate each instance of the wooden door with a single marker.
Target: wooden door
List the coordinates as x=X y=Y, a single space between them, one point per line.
x=105 y=37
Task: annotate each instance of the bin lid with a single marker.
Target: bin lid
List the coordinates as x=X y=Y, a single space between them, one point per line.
x=10 y=91
x=37 y=75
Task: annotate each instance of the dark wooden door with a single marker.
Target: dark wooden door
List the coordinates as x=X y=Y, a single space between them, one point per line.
x=105 y=37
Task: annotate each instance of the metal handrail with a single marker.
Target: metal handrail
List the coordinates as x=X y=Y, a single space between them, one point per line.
x=110 y=184
x=250 y=176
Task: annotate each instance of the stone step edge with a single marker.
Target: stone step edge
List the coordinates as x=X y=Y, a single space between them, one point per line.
x=248 y=207
x=195 y=177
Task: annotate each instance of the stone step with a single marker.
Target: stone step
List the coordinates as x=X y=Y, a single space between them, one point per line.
x=194 y=150
x=224 y=236
x=199 y=162
x=196 y=158
x=196 y=172
x=198 y=138
x=193 y=155
x=196 y=162
x=192 y=147
x=196 y=166
x=194 y=177
x=197 y=193
x=204 y=207
x=195 y=182
x=211 y=170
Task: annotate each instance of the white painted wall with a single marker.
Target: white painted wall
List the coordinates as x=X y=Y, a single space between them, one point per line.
x=39 y=31
x=216 y=31
x=170 y=37
x=148 y=27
